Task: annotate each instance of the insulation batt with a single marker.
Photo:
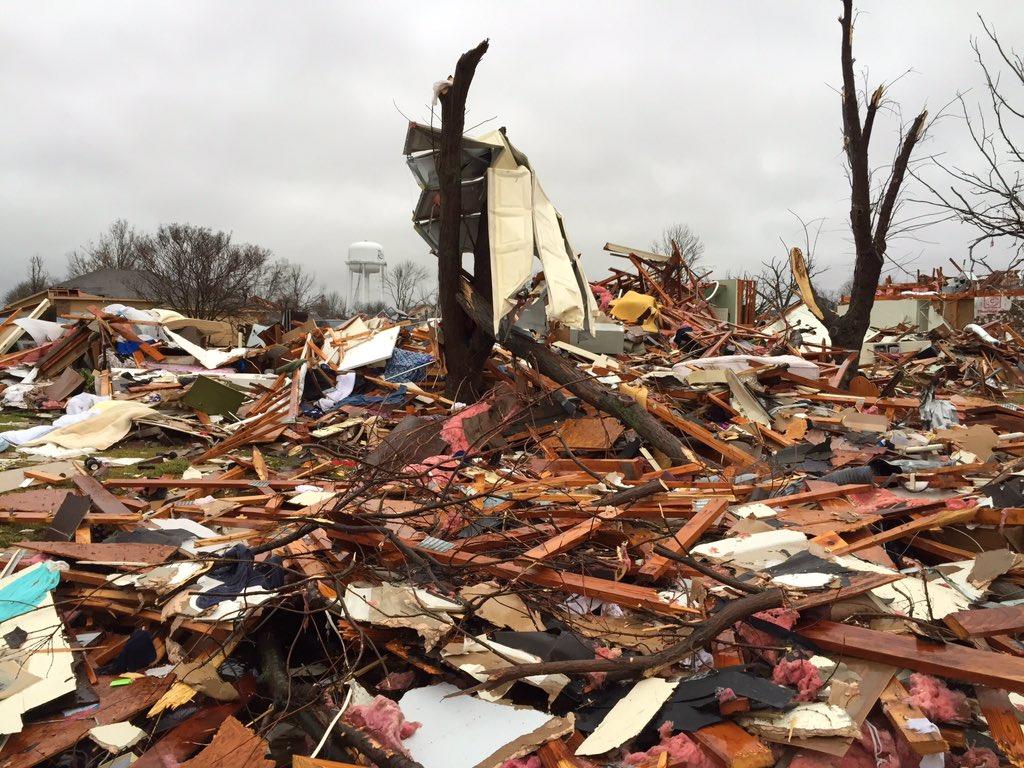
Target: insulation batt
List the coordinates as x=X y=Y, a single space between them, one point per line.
x=977 y=757
x=453 y=433
x=933 y=697
x=725 y=694
x=783 y=617
x=681 y=750
x=532 y=761
x=869 y=750
x=800 y=674
x=383 y=721
x=597 y=679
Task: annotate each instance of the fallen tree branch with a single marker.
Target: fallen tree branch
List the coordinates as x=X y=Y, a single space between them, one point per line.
x=707 y=570
x=649 y=665
x=285 y=693
x=624 y=408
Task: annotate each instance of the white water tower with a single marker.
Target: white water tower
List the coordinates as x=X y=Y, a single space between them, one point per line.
x=365 y=259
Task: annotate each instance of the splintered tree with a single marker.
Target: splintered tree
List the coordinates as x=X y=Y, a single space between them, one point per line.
x=871 y=210
x=466 y=346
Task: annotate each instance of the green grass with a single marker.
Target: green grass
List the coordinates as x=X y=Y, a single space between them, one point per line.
x=11 y=533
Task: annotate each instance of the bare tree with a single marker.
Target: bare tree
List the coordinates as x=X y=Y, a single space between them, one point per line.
x=466 y=346
x=288 y=285
x=690 y=245
x=38 y=279
x=120 y=247
x=991 y=199
x=201 y=273
x=774 y=283
x=407 y=284
x=871 y=210
x=329 y=304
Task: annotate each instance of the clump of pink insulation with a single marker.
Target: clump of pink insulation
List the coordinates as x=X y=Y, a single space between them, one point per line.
x=977 y=757
x=931 y=696
x=783 y=617
x=800 y=674
x=602 y=295
x=384 y=722
x=531 y=761
x=452 y=431
x=725 y=694
x=681 y=750
x=874 y=747
x=597 y=679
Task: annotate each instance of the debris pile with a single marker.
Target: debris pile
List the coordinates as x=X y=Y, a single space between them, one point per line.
x=297 y=550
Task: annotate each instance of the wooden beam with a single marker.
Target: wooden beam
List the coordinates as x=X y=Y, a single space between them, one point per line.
x=985 y=622
x=894 y=704
x=938 y=520
x=943 y=660
x=733 y=747
x=570 y=538
x=657 y=565
x=1002 y=722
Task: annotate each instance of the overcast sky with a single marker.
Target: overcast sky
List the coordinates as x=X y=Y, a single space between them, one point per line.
x=283 y=122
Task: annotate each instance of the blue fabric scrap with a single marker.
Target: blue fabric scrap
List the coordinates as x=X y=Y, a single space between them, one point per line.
x=405 y=366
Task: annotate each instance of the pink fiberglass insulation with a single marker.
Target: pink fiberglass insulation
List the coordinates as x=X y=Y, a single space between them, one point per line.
x=681 y=750
x=532 y=761
x=597 y=679
x=602 y=295
x=725 y=694
x=783 y=617
x=977 y=757
x=383 y=721
x=931 y=696
x=452 y=431
x=800 y=674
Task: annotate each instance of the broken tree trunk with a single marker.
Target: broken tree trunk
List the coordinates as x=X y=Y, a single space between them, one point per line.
x=584 y=386
x=870 y=220
x=466 y=348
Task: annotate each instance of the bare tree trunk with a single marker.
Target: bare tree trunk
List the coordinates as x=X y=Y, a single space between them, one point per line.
x=848 y=330
x=465 y=347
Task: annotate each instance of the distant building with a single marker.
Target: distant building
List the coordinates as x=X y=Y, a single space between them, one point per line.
x=75 y=296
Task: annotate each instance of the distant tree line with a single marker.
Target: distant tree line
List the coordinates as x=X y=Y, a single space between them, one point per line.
x=203 y=273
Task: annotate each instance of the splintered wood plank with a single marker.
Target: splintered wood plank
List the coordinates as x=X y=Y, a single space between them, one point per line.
x=114 y=554
x=105 y=501
x=658 y=565
x=46 y=738
x=985 y=622
x=1002 y=722
x=943 y=660
x=938 y=520
x=894 y=704
x=733 y=747
x=298 y=761
x=729 y=452
x=234 y=745
x=570 y=538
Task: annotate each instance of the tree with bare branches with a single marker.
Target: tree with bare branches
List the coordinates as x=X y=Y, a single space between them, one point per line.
x=774 y=283
x=201 y=273
x=407 y=284
x=991 y=198
x=871 y=208
x=120 y=247
x=691 y=247
x=288 y=285
x=37 y=280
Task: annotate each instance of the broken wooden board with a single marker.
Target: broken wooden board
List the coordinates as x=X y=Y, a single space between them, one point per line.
x=107 y=554
x=943 y=660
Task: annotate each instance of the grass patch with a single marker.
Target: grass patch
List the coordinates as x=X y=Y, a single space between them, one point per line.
x=12 y=533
